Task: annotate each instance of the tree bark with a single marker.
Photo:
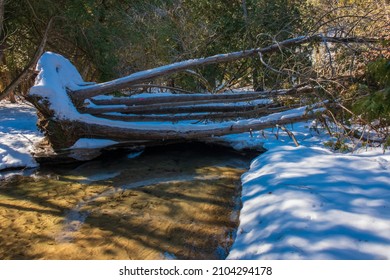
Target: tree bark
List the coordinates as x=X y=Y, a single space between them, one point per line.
x=2 y=34
x=2 y=5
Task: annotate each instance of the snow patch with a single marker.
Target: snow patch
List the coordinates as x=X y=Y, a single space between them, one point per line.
x=18 y=135
x=88 y=143
x=307 y=202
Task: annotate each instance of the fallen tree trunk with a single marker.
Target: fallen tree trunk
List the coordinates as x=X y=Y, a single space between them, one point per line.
x=195 y=134
x=190 y=104
x=198 y=117
x=62 y=139
x=193 y=99
x=141 y=121
x=152 y=104
x=164 y=109
x=181 y=100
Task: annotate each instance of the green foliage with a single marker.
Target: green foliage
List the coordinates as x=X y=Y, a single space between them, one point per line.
x=165 y=32
x=378 y=73
x=338 y=145
x=375 y=106
x=375 y=103
x=386 y=145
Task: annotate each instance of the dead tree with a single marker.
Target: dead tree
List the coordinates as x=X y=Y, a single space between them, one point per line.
x=70 y=109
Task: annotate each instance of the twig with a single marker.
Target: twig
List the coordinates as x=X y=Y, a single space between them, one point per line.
x=329 y=54
x=289 y=133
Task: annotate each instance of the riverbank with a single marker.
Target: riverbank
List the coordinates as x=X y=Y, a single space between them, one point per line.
x=18 y=135
x=301 y=202
x=307 y=202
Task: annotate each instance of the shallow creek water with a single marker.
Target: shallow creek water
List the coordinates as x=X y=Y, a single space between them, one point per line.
x=173 y=202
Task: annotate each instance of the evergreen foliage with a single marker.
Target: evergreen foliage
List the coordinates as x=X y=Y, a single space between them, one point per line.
x=374 y=102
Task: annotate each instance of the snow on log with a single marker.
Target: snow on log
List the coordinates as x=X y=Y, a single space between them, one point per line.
x=198 y=117
x=160 y=109
x=198 y=98
x=63 y=123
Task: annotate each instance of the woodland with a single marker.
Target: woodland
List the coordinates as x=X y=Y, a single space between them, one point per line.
x=302 y=85
x=344 y=57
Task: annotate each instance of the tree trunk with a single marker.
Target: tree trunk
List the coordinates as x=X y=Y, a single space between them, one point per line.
x=2 y=6
x=67 y=133
x=2 y=34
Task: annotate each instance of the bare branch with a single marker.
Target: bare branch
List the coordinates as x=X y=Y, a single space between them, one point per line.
x=289 y=133
x=28 y=69
x=93 y=90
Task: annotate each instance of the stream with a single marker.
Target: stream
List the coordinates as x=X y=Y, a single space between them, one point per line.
x=173 y=202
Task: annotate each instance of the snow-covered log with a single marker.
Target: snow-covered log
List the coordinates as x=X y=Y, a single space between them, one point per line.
x=198 y=117
x=198 y=98
x=172 y=109
x=127 y=123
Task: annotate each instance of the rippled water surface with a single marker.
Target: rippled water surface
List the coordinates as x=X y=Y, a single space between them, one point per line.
x=173 y=202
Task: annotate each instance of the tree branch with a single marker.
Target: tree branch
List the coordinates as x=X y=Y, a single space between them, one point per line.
x=27 y=70
x=107 y=87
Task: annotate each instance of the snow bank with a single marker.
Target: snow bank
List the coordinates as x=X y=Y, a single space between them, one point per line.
x=18 y=135
x=310 y=203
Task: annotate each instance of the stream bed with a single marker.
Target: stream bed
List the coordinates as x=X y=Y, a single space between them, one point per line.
x=173 y=202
